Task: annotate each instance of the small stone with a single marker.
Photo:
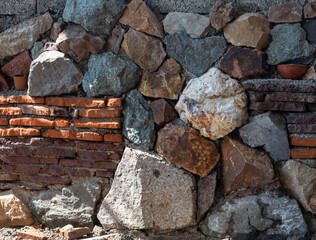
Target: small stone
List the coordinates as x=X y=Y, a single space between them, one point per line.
x=286 y=13
x=222 y=14
x=56 y=30
x=114 y=41
x=146 y=51
x=310 y=10
x=32 y=233
x=310 y=27
x=70 y=232
x=167 y=82
x=37 y=50
x=19 y=65
x=250 y=30
x=310 y=74
x=163 y=112
x=243 y=63
x=51 y=46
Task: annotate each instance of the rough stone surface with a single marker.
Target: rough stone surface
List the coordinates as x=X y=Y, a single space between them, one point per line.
x=148 y=193
x=185 y=146
x=196 y=55
x=70 y=232
x=55 y=6
x=98 y=16
x=23 y=36
x=163 y=112
x=310 y=27
x=267 y=130
x=146 y=51
x=56 y=30
x=19 y=65
x=73 y=205
x=108 y=74
x=113 y=43
x=15 y=7
x=300 y=182
x=286 y=13
x=288 y=44
x=139 y=125
x=222 y=14
x=37 y=50
x=167 y=82
x=310 y=10
x=214 y=103
x=250 y=30
x=44 y=80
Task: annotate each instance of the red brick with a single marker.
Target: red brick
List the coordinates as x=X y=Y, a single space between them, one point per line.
x=101 y=113
x=7 y=111
x=63 y=143
x=3 y=100
x=35 y=141
x=301 y=141
x=61 y=123
x=88 y=164
x=39 y=122
x=291 y=97
x=19 y=65
x=114 y=156
x=113 y=138
x=54 y=152
x=98 y=124
x=11 y=132
x=33 y=234
x=115 y=102
x=92 y=155
x=302 y=118
x=278 y=106
x=9 y=150
x=4 y=122
x=76 y=102
x=100 y=146
x=29 y=160
x=302 y=128
x=303 y=153
x=26 y=99
x=61 y=171
x=36 y=110
x=20 y=169
x=46 y=179
x=5 y=177
x=86 y=136
x=103 y=174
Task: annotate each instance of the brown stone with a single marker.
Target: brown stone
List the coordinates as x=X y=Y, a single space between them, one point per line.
x=185 y=146
x=286 y=13
x=243 y=63
x=70 y=232
x=221 y=15
x=167 y=82
x=56 y=30
x=310 y=10
x=114 y=40
x=243 y=166
x=20 y=65
x=312 y=203
x=51 y=46
x=163 y=112
x=146 y=51
x=140 y=17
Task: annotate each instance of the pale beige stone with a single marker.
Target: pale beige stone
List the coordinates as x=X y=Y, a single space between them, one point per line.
x=70 y=232
x=310 y=74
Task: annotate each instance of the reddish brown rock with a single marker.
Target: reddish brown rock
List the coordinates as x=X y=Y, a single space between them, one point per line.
x=185 y=146
x=286 y=13
x=71 y=232
x=221 y=15
x=163 y=112
x=310 y=10
x=114 y=41
x=51 y=46
x=20 y=65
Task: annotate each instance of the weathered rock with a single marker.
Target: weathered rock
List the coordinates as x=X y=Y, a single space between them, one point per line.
x=267 y=130
x=214 y=103
x=265 y=216
x=288 y=43
x=98 y=16
x=310 y=74
x=167 y=82
x=286 y=13
x=139 y=125
x=55 y=6
x=37 y=50
x=113 y=43
x=56 y=29
x=243 y=63
x=13 y=211
x=300 y=181
x=148 y=193
x=196 y=55
x=146 y=51
x=310 y=27
x=163 y=112
x=23 y=36
x=20 y=65
x=185 y=146
x=13 y=7
x=70 y=232
x=197 y=26
x=222 y=14
x=78 y=44
x=310 y=10
x=73 y=205
x=108 y=74
x=250 y=30
x=140 y=17
x=44 y=80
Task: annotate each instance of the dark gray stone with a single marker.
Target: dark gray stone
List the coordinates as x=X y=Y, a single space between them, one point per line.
x=56 y=7
x=139 y=125
x=14 y=7
x=37 y=50
x=196 y=55
x=110 y=75
x=310 y=28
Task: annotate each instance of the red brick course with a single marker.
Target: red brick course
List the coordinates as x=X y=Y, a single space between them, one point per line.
x=75 y=102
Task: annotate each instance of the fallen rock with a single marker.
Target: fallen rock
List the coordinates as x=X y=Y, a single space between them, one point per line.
x=163 y=112
x=19 y=65
x=78 y=44
x=37 y=49
x=23 y=36
x=149 y=193
x=113 y=43
x=108 y=74
x=310 y=10
x=185 y=146
x=196 y=55
x=202 y=105
x=146 y=51
x=250 y=30
x=70 y=232
x=243 y=63
x=310 y=27
x=286 y=13
x=32 y=233
x=222 y=14
x=56 y=30
x=269 y=131
x=167 y=82
x=44 y=80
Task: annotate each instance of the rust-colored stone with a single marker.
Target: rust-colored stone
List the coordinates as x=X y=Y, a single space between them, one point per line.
x=19 y=65
x=163 y=112
x=286 y=13
x=303 y=141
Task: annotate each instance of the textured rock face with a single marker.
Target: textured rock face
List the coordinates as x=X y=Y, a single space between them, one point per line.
x=44 y=80
x=20 y=65
x=310 y=27
x=148 y=193
x=108 y=74
x=37 y=50
x=286 y=13
x=56 y=29
x=113 y=43
x=288 y=43
x=23 y=36
x=250 y=30
x=185 y=146
x=196 y=55
x=146 y=51
x=267 y=130
x=300 y=182
x=310 y=10
x=163 y=112
x=139 y=125
x=221 y=15
x=214 y=103
x=73 y=205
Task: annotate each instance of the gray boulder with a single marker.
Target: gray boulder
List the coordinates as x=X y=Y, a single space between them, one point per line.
x=37 y=49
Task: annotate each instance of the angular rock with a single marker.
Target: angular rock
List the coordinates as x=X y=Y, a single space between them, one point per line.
x=37 y=50
x=222 y=14
x=196 y=25
x=113 y=43
x=140 y=17
x=139 y=125
x=243 y=63
x=310 y=10
x=23 y=36
x=19 y=65
x=185 y=146
x=167 y=82
x=44 y=80
x=269 y=131
x=214 y=103
x=286 y=13
x=73 y=205
x=56 y=30
x=288 y=44
x=146 y=51
x=310 y=27
x=78 y=44
x=97 y=16
x=196 y=55
x=108 y=74
x=163 y=112
x=70 y=232
x=300 y=181
x=250 y=30
x=310 y=74
x=148 y=193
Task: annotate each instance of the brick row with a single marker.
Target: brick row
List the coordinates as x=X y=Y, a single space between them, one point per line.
x=98 y=124
x=39 y=122
x=303 y=141
x=305 y=118
x=303 y=153
x=26 y=99
x=278 y=106
x=302 y=128
x=75 y=102
x=282 y=97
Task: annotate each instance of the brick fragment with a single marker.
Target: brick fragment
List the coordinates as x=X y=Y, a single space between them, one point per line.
x=61 y=123
x=39 y=122
x=61 y=171
x=100 y=146
x=88 y=164
x=36 y=110
x=113 y=138
x=55 y=152
x=7 y=111
x=32 y=233
x=104 y=174
x=48 y=180
x=4 y=122
x=303 y=153
x=19 y=65
x=3 y=100
x=302 y=128
x=76 y=102
x=115 y=102
x=70 y=232
x=85 y=136
x=26 y=99
x=302 y=141
x=291 y=97
x=98 y=124
x=101 y=113
x=5 y=177
x=21 y=132
x=278 y=106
